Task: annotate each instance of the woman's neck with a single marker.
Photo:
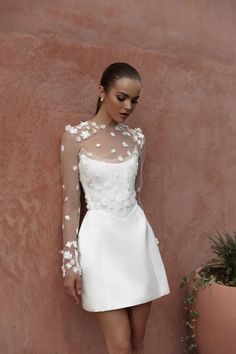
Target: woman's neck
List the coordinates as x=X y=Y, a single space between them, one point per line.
x=104 y=119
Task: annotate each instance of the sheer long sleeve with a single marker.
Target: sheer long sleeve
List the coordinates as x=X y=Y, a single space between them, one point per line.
x=138 y=180
x=71 y=204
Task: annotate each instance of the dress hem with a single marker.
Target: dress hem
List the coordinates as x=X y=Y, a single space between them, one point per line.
x=129 y=305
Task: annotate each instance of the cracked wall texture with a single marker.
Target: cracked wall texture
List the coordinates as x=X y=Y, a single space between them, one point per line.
x=52 y=56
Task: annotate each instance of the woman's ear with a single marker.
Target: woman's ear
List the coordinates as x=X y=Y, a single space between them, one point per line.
x=100 y=89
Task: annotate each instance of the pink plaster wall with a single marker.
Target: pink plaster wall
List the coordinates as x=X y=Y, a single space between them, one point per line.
x=52 y=55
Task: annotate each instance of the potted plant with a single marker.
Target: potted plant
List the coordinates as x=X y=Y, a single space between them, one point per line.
x=211 y=300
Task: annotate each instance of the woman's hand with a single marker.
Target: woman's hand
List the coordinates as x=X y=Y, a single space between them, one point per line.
x=73 y=285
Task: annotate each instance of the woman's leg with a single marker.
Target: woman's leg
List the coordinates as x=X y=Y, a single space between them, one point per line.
x=138 y=316
x=115 y=326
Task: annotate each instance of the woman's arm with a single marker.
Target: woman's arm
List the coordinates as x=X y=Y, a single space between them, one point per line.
x=71 y=204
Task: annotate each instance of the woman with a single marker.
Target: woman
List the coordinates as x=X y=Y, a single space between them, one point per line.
x=113 y=260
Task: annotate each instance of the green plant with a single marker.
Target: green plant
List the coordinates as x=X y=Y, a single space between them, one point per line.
x=221 y=269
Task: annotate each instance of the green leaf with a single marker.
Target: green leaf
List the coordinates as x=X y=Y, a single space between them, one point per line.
x=183 y=282
x=194 y=314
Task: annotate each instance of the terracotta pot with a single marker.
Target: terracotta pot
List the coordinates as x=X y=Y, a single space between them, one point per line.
x=216 y=325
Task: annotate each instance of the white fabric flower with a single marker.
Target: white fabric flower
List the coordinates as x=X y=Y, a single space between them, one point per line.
x=75 y=167
x=117 y=127
x=71 y=243
x=85 y=134
x=113 y=151
x=67 y=255
x=73 y=130
x=70 y=129
x=67 y=217
x=74 y=243
x=84 y=124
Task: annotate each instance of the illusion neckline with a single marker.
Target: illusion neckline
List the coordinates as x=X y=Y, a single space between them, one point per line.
x=93 y=123
x=84 y=152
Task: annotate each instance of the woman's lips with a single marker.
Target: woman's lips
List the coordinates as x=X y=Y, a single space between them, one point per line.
x=124 y=114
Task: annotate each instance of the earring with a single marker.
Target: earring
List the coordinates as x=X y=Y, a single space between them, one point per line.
x=101 y=98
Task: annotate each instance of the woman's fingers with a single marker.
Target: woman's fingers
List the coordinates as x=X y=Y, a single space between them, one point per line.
x=71 y=287
x=78 y=286
x=72 y=293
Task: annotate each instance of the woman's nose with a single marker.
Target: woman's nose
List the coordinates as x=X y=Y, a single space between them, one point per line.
x=127 y=104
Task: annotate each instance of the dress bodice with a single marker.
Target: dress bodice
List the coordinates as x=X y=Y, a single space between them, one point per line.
x=107 y=161
x=109 y=186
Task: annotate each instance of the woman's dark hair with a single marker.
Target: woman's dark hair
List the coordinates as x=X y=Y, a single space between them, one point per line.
x=113 y=72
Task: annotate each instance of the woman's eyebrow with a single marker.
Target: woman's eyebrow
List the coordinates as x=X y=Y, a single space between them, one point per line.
x=123 y=93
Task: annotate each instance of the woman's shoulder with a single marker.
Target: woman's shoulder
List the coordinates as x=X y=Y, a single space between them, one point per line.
x=74 y=129
x=136 y=132
x=83 y=130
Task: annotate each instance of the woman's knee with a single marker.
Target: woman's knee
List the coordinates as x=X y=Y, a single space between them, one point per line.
x=116 y=328
x=123 y=346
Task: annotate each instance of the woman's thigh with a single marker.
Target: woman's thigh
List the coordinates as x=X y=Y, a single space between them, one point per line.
x=115 y=325
x=138 y=316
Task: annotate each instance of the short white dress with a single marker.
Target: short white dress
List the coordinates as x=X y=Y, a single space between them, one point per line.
x=114 y=248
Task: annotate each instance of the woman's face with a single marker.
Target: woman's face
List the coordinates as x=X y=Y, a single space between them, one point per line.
x=121 y=98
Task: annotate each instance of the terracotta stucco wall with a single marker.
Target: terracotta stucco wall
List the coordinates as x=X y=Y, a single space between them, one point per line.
x=52 y=56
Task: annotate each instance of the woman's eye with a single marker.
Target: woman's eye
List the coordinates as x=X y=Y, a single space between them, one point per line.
x=123 y=98
x=120 y=98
